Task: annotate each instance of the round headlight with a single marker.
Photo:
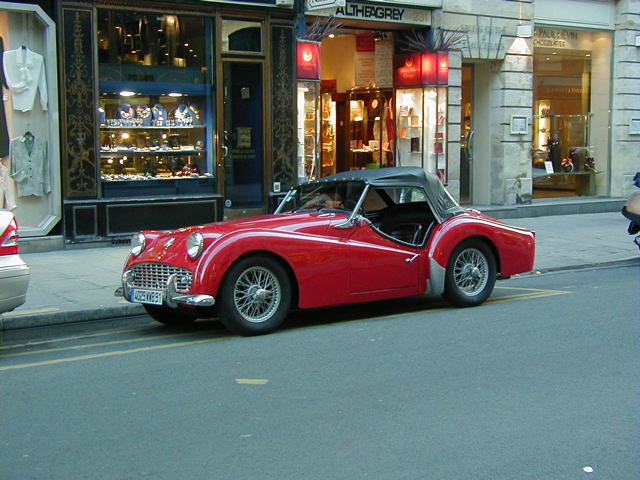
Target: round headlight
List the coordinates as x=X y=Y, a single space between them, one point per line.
x=138 y=242
x=195 y=243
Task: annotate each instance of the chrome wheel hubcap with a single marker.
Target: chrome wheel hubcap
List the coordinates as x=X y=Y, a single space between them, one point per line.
x=257 y=294
x=471 y=271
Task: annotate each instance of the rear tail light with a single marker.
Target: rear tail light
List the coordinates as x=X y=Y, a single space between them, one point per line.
x=9 y=239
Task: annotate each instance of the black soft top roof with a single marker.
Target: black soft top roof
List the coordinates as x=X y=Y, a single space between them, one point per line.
x=403 y=177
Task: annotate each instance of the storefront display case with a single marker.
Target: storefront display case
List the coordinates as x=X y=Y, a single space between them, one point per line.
x=308 y=130
x=421 y=99
x=154 y=105
x=154 y=139
x=145 y=158
x=370 y=128
x=328 y=128
x=29 y=122
x=562 y=158
x=421 y=119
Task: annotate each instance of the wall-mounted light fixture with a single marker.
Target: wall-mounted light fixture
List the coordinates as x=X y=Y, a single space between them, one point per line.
x=524 y=31
x=637 y=40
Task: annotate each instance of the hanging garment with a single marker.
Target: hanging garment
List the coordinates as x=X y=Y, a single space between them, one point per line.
x=7 y=194
x=4 y=132
x=30 y=165
x=25 y=74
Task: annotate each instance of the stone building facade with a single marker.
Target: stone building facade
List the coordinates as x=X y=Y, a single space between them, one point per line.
x=501 y=44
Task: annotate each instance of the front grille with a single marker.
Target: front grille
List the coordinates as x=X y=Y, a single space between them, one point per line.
x=156 y=275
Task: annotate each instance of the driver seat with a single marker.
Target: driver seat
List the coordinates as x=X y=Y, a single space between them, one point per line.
x=406 y=232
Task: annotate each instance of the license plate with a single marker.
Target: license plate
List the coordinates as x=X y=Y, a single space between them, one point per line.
x=153 y=297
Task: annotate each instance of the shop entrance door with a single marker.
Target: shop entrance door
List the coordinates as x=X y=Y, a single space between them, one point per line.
x=242 y=136
x=466 y=135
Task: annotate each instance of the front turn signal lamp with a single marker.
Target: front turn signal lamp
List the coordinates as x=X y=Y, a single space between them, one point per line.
x=138 y=243
x=195 y=244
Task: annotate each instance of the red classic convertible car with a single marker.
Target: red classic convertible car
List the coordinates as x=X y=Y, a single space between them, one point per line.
x=352 y=237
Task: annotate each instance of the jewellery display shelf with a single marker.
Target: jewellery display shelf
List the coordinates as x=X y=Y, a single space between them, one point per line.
x=369 y=121
x=157 y=150
x=421 y=116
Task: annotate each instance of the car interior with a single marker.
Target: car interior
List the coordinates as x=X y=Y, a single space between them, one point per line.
x=403 y=218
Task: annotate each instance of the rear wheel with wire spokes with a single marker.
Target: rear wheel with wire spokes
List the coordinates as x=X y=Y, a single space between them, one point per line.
x=471 y=274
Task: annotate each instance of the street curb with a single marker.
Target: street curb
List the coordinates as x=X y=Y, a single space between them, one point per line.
x=64 y=318
x=612 y=263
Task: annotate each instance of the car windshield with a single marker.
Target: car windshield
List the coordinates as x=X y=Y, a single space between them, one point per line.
x=342 y=196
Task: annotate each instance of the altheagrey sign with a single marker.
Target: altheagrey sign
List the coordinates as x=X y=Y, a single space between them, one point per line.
x=370 y=11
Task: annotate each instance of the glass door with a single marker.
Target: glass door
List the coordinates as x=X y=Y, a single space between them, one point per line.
x=242 y=138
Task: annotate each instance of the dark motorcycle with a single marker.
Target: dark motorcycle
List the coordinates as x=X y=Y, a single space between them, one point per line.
x=631 y=211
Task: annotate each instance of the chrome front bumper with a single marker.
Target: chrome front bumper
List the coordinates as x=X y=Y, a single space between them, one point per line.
x=171 y=295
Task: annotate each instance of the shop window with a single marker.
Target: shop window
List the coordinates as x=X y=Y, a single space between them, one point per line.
x=155 y=104
x=421 y=128
x=150 y=39
x=153 y=137
x=241 y=36
x=29 y=129
x=569 y=142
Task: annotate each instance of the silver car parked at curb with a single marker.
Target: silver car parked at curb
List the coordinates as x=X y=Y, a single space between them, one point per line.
x=14 y=273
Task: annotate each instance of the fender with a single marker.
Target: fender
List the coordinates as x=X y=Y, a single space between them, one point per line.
x=512 y=245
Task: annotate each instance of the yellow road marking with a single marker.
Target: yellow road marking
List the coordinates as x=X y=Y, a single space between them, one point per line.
x=76 y=337
x=251 y=381
x=531 y=289
x=533 y=293
x=109 y=354
x=31 y=312
x=101 y=344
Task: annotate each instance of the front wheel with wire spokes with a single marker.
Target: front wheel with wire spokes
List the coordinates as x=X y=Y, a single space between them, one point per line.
x=255 y=295
x=471 y=274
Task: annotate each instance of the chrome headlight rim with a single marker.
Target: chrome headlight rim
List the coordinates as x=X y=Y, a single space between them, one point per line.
x=195 y=245
x=138 y=243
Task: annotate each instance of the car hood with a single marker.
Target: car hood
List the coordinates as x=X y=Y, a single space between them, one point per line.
x=171 y=246
x=308 y=223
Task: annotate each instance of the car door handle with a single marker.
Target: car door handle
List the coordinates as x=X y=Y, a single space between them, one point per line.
x=409 y=260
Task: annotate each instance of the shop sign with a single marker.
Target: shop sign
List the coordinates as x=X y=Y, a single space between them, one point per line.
x=378 y=13
x=442 y=68
x=365 y=59
x=308 y=60
x=559 y=38
x=429 y=68
x=407 y=70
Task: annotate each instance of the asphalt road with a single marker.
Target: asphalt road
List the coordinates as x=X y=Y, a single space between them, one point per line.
x=541 y=382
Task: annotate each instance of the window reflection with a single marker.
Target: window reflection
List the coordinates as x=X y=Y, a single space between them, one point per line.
x=241 y=36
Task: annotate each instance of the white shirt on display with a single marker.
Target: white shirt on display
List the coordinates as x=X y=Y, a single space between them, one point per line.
x=25 y=74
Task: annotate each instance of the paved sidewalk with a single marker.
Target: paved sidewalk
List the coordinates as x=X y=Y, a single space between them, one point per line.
x=75 y=285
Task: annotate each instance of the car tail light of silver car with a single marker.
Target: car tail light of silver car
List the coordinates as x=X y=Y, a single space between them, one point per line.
x=9 y=239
